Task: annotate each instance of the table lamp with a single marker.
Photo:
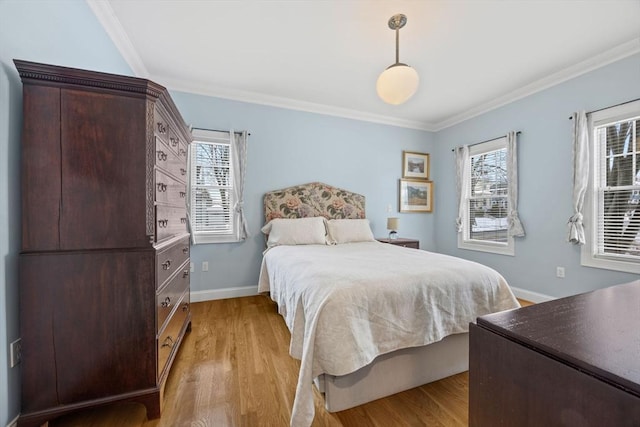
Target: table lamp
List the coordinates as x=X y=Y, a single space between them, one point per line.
x=392 y=226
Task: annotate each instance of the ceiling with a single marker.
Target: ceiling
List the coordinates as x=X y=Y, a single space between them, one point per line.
x=325 y=55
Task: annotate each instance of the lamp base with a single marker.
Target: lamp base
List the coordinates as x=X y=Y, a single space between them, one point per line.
x=393 y=235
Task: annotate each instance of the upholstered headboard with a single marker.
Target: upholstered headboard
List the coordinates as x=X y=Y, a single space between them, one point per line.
x=313 y=199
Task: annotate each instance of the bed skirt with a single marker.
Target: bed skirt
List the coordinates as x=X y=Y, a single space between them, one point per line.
x=395 y=372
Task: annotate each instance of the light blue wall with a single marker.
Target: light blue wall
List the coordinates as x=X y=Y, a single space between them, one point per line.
x=289 y=147
x=292 y=147
x=55 y=32
x=545 y=168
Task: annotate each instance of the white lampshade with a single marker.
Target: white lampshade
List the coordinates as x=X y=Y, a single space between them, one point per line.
x=397 y=84
x=392 y=224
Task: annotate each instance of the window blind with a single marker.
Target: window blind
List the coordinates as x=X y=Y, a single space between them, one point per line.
x=488 y=202
x=618 y=189
x=212 y=188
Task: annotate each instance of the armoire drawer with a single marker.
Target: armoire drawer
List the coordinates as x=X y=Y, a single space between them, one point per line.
x=170 y=337
x=161 y=125
x=170 y=221
x=174 y=141
x=182 y=152
x=169 y=296
x=170 y=190
x=170 y=259
x=168 y=159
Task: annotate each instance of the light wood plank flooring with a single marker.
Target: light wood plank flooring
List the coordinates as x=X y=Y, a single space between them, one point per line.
x=234 y=369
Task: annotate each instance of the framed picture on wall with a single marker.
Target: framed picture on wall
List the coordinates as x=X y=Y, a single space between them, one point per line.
x=415 y=165
x=416 y=195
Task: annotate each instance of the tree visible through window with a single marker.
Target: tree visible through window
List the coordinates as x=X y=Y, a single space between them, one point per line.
x=619 y=187
x=488 y=203
x=212 y=189
x=612 y=199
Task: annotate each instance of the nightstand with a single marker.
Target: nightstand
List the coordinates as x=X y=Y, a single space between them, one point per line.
x=407 y=243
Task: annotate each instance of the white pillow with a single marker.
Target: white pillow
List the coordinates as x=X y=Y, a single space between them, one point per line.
x=296 y=231
x=350 y=231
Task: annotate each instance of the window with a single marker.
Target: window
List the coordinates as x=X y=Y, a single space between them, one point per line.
x=215 y=196
x=485 y=200
x=612 y=202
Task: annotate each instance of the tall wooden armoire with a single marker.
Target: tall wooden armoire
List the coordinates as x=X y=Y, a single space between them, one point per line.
x=104 y=262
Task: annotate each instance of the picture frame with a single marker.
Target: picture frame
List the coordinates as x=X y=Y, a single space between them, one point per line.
x=415 y=165
x=415 y=195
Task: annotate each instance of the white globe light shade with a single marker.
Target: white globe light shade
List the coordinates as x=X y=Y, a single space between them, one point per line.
x=397 y=84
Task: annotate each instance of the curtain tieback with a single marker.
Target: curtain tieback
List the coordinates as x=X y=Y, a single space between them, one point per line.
x=576 y=219
x=238 y=207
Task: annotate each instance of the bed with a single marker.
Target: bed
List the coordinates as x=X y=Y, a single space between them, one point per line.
x=367 y=319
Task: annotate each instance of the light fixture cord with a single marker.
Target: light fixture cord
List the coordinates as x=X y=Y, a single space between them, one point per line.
x=397 y=46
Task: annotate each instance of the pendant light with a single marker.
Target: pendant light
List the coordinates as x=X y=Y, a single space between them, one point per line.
x=399 y=81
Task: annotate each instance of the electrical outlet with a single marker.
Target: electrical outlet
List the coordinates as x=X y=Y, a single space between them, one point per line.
x=205 y=266
x=191 y=267
x=560 y=272
x=15 y=349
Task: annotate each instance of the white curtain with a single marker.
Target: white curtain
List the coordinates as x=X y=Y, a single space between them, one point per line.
x=515 y=226
x=580 y=176
x=463 y=181
x=239 y=159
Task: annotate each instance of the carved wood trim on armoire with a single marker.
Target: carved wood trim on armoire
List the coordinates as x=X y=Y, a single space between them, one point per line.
x=104 y=261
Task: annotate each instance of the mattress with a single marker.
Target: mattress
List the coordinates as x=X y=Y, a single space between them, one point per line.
x=347 y=304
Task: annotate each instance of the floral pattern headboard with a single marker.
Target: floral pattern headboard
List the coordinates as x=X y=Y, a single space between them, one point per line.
x=313 y=199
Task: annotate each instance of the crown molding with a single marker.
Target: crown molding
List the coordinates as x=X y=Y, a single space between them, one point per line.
x=106 y=16
x=287 y=103
x=612 y=55
x=111 y=24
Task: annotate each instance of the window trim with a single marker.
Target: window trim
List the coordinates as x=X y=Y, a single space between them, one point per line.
x=588 y=254
x=204 y=237
x=464 y=242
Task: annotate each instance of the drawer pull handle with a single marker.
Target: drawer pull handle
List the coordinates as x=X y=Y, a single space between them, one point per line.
x=185 y=250
x=185 y=273
x=166 y=302
x=174 y=141
x=183 y=220
x=183 y=194
x=182 y=152
x=183 y=171
x=168 y=342
x=162 y=156
x=166 y=264
x=162 y=128
x=162 y=187
x=185 y=306
x=162 y=223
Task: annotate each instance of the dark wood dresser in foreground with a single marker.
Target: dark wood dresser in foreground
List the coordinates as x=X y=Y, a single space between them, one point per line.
x=104 y=262
x=574 y=361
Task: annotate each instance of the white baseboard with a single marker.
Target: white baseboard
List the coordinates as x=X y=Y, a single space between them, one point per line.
x=213 y=294
x=13 y=422
x=531 y=296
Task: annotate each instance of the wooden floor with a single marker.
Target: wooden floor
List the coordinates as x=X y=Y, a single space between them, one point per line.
x=234 y=369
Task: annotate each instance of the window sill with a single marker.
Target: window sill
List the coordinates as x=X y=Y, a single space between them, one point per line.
x=208 y=239
x=508 y=250
x=588 y=260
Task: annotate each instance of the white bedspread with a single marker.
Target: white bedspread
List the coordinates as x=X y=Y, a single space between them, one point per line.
x=347 y=304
